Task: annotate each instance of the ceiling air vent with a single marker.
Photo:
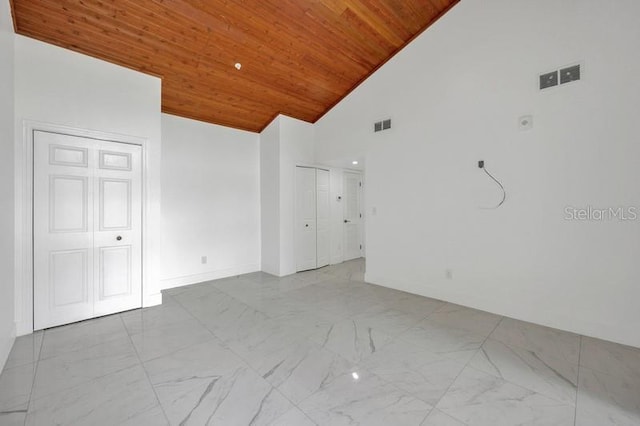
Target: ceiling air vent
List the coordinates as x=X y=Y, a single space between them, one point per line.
x=382 y=125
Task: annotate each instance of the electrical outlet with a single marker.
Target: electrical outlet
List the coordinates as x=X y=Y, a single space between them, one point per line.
x=449 y=274
x=203 y=259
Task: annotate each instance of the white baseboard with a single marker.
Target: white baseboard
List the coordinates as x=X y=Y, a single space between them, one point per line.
x=612 y=333
x=6 y=343
x=152 y=300
x=208 y=276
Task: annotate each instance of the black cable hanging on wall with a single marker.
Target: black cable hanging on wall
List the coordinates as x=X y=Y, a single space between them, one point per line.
x=504 y=192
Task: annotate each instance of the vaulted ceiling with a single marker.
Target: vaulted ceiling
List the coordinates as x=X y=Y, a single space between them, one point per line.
x=299 y=57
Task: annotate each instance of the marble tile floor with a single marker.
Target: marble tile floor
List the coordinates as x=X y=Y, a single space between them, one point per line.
x=315 y=348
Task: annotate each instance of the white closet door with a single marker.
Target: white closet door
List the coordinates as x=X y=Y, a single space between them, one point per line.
x=62 y=229
x=118 y=228
x=323 y=219
x=80 y=196
x=305 y=219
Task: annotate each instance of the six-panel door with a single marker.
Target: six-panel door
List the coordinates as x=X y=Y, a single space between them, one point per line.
x=87 y=224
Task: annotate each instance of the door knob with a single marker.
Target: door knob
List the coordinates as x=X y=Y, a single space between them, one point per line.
x=118 y=237
x=346 y=221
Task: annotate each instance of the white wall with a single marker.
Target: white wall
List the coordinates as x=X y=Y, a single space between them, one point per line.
x=296 y=148
x=284 y=143
x=455 y=95
x=61 y=87
x=210 y=201
x=7 y=225
x=270 y=197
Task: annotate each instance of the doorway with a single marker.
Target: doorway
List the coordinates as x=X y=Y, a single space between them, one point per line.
x=352 y=228
x=87 y=228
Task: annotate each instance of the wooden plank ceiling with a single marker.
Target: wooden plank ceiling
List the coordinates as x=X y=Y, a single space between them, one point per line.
x=299 y=57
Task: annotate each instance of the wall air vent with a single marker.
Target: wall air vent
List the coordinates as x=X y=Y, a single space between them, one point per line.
x=382 y=125
x=563 y=76
x=569 y=74
x=549 y=79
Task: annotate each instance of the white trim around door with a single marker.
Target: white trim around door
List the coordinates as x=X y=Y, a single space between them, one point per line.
x=24 y=216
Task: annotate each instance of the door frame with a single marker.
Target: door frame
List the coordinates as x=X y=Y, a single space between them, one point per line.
x=24 y=294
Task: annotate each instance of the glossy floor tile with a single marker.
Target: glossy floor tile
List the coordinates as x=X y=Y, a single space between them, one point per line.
x=315 y=348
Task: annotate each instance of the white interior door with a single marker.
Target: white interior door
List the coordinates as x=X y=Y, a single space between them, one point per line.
x=323 y=218
x=87 y=228
x=118 y=228
x=352 y=216
x=305 y=234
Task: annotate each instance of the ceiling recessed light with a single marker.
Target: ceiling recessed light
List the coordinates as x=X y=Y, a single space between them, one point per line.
x=355 y=375
x=238 y=65
x=354 y=162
